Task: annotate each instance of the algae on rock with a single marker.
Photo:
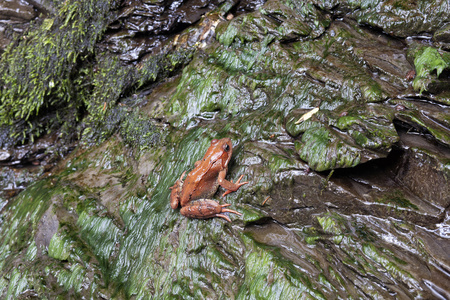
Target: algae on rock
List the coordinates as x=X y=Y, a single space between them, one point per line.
x=38 y=71
x=101 y=226
x=427 y=61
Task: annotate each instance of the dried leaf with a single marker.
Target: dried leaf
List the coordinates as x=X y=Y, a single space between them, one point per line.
x=308 y=115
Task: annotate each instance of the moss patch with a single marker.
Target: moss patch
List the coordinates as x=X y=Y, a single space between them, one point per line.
x=429 y=60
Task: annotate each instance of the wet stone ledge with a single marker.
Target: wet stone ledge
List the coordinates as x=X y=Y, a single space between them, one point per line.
x=350 y=202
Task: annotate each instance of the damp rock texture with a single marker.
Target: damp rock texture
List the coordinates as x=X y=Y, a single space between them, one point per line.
x=339 y=117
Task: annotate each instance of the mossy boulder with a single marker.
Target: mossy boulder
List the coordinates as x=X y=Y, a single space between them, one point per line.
x=349 y=203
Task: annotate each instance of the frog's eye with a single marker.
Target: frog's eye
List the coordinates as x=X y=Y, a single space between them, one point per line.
x=226 y=147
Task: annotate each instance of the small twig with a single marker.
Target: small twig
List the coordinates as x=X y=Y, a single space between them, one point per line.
x=264 y=202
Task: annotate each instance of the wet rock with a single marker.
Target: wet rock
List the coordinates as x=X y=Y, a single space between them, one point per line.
x=442 y=37
x=348 y=213
x=425 y=118
x=4 y=155
x=15 y=180
x=323 y=85
x=324 y=147
x=17 y=10
x=424 y=158
x=141 y=28
x=310 y=23
x=48 y=226
x=22 y=165
x=47 y=7
x=157 y=18
x=130 y=47
x=43 y=151
x=417 y=166
x=402 y=18
x=14 y=18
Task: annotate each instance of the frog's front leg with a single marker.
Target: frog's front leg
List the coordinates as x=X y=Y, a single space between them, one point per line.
x=176 y=192
x=229 y=185
x=206 y=208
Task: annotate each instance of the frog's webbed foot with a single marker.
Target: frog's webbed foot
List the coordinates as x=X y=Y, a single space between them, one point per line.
x=227 y=210
x=206 y=208
x=234 y=186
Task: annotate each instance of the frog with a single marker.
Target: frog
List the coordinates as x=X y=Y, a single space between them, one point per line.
x=193 y=193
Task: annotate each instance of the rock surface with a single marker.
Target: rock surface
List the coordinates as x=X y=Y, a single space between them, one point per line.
x=352 y=202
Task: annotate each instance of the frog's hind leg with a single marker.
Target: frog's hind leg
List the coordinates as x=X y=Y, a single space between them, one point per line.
x=176 y=191
x=206 y=208
x=227 y=210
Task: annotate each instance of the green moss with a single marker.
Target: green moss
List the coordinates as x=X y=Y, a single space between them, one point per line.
x=23 y=218
x=310 y=235
x=111 y=81
x=333 y=224
x=37 y=70
x=346 y=121
x=324 y=151
x=162 y=65
x=386 y=259
x=397 y=199
x=437 y=129
x=296 y=129
x=261 y=25
x=399 y=18
x=140 y=131
x=32 y=251
x=331 y=141
x=59 y=247
x=51 y=74
x=250 y=215
x=269 y=275
x=308 y=22
x=101 y=234
x=17 y=284
x=18 y=243
x=364 y=233
x=280 y=163
x=428 y=60
x=246 y=28
x=73 y=278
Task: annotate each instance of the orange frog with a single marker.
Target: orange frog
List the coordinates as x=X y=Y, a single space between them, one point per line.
x=202 y=183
